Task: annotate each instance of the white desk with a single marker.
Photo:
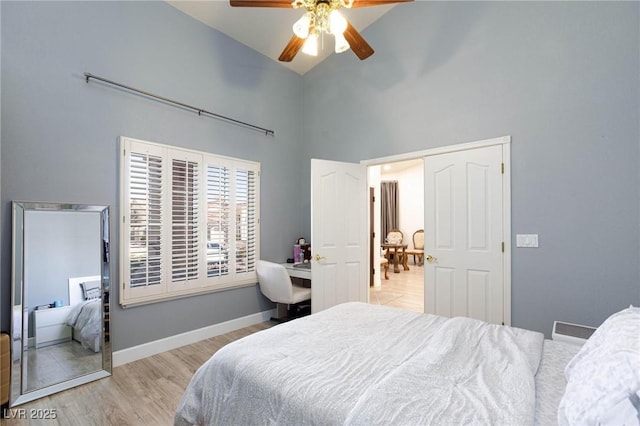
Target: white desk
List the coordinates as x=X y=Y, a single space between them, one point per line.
x=298 y=272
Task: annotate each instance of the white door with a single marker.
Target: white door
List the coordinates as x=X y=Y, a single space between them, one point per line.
x=464 y=271
x=339 y=237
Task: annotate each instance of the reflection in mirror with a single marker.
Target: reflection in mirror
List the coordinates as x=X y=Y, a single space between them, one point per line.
x=60 y=321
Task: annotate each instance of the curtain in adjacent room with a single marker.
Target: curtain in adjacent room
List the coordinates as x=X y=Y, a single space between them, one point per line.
x=389 y=207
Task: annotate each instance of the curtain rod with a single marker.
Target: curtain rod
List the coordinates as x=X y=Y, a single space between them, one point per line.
x=200 y=111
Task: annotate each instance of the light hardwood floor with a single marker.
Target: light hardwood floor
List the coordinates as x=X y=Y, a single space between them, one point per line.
x=144 y=392
x=403 y=290
x=147 y=392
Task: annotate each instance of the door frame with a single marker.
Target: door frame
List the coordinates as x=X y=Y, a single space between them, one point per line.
x=505 y=142
x=372 y=233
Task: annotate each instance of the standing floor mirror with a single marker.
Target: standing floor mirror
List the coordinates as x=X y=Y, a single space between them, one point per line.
x=60 y=298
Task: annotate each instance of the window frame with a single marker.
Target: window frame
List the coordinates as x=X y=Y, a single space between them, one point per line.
x=229 y=275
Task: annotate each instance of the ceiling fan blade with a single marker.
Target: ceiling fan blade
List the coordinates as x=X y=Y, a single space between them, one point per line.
x=365 y=3
x=261 y=3
x=291 y=49
x=358 y=44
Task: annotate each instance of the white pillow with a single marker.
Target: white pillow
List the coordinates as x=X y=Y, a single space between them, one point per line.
x=605 y=374
x=625 y=413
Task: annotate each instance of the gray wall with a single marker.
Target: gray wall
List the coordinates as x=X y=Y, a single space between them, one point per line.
x=562 y=78
x=59 y=134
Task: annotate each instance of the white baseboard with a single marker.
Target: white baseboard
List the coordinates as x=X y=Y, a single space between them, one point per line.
x=135 y=353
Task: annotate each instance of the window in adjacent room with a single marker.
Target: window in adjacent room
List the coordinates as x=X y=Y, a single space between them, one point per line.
x=190 y=222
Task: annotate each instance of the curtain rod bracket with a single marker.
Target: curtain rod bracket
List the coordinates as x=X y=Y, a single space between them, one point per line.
x=200 y=111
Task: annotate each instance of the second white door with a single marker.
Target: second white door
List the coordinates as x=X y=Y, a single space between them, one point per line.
x=464 y=241
x=339 y=225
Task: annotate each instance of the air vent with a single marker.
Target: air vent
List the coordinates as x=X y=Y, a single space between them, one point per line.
x=571 y=333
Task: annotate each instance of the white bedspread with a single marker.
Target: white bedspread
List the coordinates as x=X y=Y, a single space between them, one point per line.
x=550 y=380
x=367 y=364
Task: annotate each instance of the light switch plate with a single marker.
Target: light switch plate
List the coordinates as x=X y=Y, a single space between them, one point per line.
x=527 y=240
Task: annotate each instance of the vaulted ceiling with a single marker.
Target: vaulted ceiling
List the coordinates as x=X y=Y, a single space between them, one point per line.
x=268 y=30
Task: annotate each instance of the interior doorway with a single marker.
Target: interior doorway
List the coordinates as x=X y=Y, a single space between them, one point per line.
x=473 y=282
x=469 y=205
x=404 y=289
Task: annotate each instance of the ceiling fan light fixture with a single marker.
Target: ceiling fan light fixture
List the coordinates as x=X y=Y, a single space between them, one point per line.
x=301 y=26
x=341 y=43
x=337 y=23
x=310 y=46
x=320 y=17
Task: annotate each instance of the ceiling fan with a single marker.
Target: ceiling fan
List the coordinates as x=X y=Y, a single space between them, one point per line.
x=322 y=16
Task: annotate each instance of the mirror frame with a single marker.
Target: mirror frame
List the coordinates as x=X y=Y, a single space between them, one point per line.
x=19 y=326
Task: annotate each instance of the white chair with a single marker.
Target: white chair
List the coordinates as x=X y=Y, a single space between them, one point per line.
x=275 y=283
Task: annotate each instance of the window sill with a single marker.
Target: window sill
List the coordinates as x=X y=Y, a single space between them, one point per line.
x=131 y=303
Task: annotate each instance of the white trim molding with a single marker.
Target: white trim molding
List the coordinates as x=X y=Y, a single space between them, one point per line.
x=503 y=140
x=145 y=350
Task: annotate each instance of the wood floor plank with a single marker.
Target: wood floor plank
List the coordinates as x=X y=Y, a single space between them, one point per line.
x=143 y=392
x=403 y=290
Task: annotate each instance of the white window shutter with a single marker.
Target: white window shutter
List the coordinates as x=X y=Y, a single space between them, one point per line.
x=218 y=217
x=144 y=214
x=190 y=222
x=246 y=186
x=186 y=240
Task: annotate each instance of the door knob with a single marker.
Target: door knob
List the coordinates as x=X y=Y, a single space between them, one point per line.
x=431 y=259
x=319 y=258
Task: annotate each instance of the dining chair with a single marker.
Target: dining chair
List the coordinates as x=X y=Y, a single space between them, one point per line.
x=418 y=247
x=394 y=236
x=384 y=264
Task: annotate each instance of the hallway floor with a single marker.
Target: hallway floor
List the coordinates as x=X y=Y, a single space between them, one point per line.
x=403 y=290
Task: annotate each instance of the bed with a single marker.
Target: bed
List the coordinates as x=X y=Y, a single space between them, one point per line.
x=366 y=364
x=85 y=316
